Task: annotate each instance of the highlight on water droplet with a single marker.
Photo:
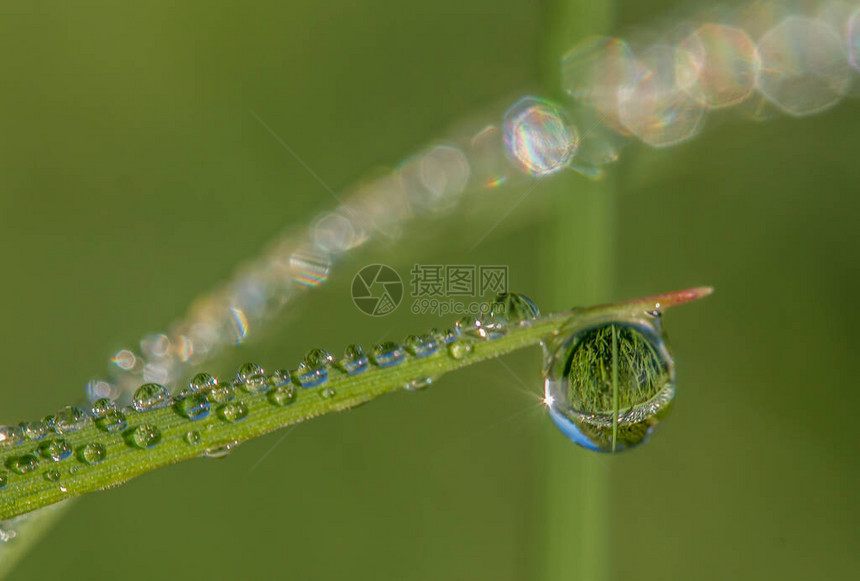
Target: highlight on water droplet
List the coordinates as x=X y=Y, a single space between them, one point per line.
x=308 y=376
x=33 y=431
x=52 y=475
x=538 y=136
x=609 y=385
x=102 y=407
x=221 y=393
x=150 y=396
x=144 y=436
x=327 y=393
x=10 y=435
x=220 y=451
x=387 y=354
x=201 y=383
x=418 y=384
x=3 y=480
x=470 y=326
x=92 y=453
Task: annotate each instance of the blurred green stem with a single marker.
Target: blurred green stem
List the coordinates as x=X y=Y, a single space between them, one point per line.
x=579 y=248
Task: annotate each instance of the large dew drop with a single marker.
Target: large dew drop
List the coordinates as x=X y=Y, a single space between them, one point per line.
x=608 y=386
x=150 y=396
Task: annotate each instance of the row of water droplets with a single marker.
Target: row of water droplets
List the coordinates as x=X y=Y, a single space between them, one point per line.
x=205 y=392
x=761 y=59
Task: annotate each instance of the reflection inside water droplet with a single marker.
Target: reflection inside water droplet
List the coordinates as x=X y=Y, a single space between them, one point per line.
x=609 y=385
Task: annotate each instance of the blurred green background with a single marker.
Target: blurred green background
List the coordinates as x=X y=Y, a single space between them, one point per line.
x=134 y=177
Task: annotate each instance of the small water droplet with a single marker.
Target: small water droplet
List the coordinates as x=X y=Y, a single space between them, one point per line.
x=22 y=464
x=233 y=411
x=34 y=430
x=52 y=475
x=7 y=533
x=220 y=451
x=443 y=337
x=282 y=395
x=92 y=453
x=4 y=480
x=354 y=360
x=387 y=354
x=252 y=378
x=201 y=383
x=221 y=393
x=55 y=449
x=318 y=357
x=460 y=349
x=150 y=396
x=495 y=325
x=515 y=308
x=112 y=421
x=102 y=406
x=279 y=378
x=470 y=326
x=307 y=376
x=327 y=393
x=608 y=386
x=193 y=407
x=73 y=470
x=419 y=384
x=49 y=421
x=70 y=419
x=144 y=436
x=421 y=345
x=192 y=437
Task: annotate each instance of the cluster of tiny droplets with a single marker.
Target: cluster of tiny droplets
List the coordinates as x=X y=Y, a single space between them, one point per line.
x=758 y=60
x=206 y=394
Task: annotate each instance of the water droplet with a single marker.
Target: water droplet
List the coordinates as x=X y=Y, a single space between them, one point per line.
x=3 y=480
x=419 y=384
x=318 y=357
x=150 y=396
x=327 y=393
x=193 y=407
x=73 y=470
x=460 y=349
x=52 y=475
x=70 y=419
x=112 y=421
x=252 y=378
x=279 y=378
x=608 y=386
x=470 y=326
x=354 y=360
x=22 y=464
x=282 y=395
x=221 y=393
x=102 y=406
x=7 y=533
x=233 y=411
x=92 y=453
x=443 y=337
x=201 y=383
x=34 y=430
x=387 y=354
x=307 y=376
x=49 y=421
x=144 y=436
x=515 y=308
x=192 y=437
x=494 y=325
x=220 y=451
x=55 y=449
x=10 y=435
x=421 y=345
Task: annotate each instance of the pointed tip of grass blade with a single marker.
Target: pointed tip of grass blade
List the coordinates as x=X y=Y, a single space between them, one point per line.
x=663 y=301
